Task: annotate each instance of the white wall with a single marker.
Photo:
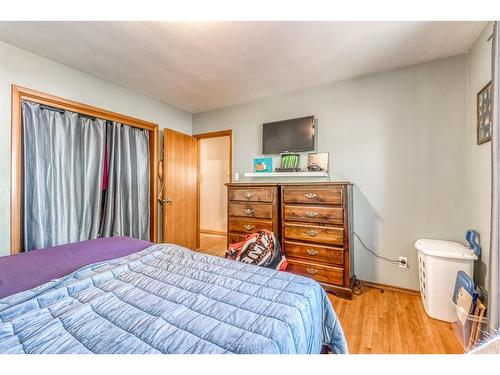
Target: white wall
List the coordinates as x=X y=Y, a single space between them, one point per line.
x=23 y=68
x=479 y=156
x=399 y=136
x=214 y=166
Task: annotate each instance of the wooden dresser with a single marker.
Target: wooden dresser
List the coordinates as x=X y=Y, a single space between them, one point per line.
x=250 y=208
x=311 y=220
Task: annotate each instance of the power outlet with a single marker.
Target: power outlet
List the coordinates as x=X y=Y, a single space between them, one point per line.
x=403 y=262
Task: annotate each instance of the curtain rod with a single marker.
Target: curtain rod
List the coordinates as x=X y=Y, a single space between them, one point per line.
x=49 y=108
x=86 y=116
x=61 y=111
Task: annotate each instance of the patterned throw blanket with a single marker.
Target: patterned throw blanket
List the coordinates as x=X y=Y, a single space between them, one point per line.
x=261 y=248
x=168 y=299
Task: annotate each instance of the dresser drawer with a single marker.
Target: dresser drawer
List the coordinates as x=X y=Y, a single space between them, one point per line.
x=314 y=214
x=332 y=195
x=249 y=225
x=259 y=210
x=315 y=233
x=251 y=194
x=319 y=272
x=236 y=237
x=314 y=253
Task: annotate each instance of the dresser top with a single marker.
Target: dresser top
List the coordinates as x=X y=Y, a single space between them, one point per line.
x=249 y=184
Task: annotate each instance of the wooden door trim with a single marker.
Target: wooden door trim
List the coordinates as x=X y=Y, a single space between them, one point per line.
x=18 y=94
x=216 y=134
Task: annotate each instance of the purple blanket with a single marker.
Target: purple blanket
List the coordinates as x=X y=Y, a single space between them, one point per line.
x=27 y=270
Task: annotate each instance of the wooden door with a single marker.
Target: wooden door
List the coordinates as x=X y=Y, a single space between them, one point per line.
x=180 y=173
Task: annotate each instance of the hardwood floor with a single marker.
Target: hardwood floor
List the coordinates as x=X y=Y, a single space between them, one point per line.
x=392 y=322
x=213 y=244
x=379 y=322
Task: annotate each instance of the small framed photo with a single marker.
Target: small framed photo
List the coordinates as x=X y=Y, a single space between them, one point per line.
x=317 y=161
x=290 y=161
x=484 y=115
x=263 y=164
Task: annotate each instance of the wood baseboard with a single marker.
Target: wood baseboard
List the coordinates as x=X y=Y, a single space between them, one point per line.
x=371 y=284
x=213 y=232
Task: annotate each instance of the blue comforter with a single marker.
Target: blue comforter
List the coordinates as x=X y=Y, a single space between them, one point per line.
x=168 y=299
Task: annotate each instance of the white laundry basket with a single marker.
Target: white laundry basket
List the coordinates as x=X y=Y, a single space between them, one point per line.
x=438 y=264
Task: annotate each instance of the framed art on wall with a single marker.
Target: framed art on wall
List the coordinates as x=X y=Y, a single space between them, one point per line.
x=484 y=109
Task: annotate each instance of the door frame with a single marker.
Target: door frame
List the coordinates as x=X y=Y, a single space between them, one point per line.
x=199 y=137
x=18 y=94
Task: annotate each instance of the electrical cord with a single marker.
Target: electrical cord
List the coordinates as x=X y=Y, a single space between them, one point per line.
x=393 y=261
x=356 y=288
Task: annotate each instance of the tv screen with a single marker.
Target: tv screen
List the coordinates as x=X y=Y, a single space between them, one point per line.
x=292 y=135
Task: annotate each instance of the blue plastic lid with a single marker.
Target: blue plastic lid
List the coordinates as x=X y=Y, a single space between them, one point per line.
x=472 y=238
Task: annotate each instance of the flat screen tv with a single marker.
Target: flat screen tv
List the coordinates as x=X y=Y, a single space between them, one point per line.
x=292 y=135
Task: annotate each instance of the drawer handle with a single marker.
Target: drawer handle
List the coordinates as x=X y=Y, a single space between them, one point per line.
x=312 y=252
x=311 y=214
x=312 y=271
x=249 y=211
x=310 y=195
x=248 y=195
x=248 y=227
x=312 y=233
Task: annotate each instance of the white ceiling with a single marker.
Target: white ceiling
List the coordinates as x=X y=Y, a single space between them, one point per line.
x=200 y=66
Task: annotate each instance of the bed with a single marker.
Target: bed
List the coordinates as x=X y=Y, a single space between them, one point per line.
x=168 y=299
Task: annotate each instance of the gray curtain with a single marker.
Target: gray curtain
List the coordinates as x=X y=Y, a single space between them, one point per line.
x=126 y=207
x=63 y=163
x=494 y=263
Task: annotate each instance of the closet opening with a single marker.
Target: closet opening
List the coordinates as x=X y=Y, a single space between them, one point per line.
x=214 y=171
x=122 y=138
